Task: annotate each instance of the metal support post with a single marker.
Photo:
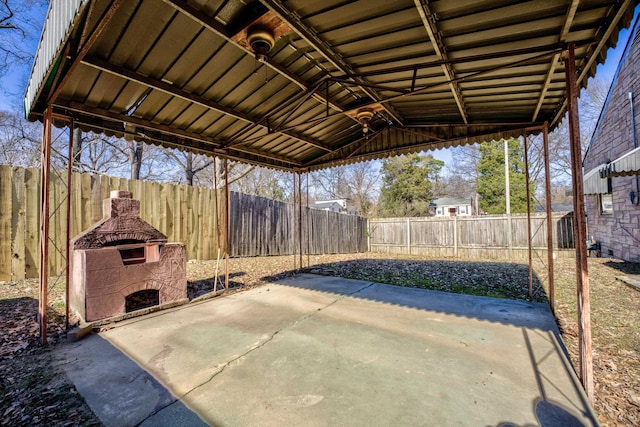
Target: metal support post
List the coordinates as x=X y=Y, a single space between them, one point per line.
x=300 y=215
x=45 y=168
x=507 y=191
x=529 y=249
x=293 y=228
x=547 y=189
x=227 y=207
x=580 y=228
x=69 y=208
x=217 y=217
x=308 y=225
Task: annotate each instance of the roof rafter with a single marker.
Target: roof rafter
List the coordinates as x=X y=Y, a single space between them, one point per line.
x=212 y=105
x=325 y=50
x=566 y=26
x=440 y=50
x=185 y=8
x=152 y=126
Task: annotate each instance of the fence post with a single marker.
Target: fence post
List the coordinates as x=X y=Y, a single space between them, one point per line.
x=368 y=228
x=455 y=236
x=408 y=236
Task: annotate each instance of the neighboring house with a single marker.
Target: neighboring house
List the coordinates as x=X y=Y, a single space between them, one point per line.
x=612 y=163
x=328 y=205
x=335 y=205
x=451 y=206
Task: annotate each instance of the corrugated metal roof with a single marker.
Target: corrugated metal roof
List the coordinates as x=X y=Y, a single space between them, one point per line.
x=625 y=165
x=595 y=183
x=57 y=25
x=432 y=74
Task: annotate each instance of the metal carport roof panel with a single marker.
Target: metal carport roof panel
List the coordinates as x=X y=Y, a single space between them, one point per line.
x=433 y=74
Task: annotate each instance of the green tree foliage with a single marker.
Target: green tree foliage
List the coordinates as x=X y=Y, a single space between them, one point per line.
x=491 y=180
x=407 y=185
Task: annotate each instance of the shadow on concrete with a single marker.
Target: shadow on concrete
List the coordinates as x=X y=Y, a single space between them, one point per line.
x=550 y=413
x=516 y=312
x=490 y=278
x=119 y=391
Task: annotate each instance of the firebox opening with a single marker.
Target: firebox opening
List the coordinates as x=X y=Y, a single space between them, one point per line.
x=134 y=255
x=139 y=254
x=142 y=299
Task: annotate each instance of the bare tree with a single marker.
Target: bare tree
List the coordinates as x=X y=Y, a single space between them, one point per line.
x=358 y=182
x=590 y=105
x=264 y=182
x=19 y=141
x=206 y=171
x=20 y=26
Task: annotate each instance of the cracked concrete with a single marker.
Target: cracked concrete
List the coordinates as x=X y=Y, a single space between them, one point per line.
x=328 y=351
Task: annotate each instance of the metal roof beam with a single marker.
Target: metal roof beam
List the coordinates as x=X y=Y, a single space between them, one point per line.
x=215 y=145
x=190 y=97
x=185 y=8
x=566 y=26
x=441 y=52
x=324 y=49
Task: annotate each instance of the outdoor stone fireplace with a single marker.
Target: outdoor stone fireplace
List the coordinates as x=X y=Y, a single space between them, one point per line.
x=122 y=264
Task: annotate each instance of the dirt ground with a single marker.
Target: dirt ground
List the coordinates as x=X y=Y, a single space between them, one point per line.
x=35 y=393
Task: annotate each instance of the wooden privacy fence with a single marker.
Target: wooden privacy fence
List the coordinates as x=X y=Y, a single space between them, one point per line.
x=470 y=236
x=261 y=226
x=258 y=226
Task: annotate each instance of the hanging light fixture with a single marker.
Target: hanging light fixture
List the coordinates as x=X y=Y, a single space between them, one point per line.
x=364 y=116
x=261 y=40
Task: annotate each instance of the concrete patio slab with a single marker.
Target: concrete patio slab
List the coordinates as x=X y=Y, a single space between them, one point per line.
x=319 y=351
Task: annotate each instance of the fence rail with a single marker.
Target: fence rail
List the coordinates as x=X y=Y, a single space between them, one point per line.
x=258 y=226
x=472 y=236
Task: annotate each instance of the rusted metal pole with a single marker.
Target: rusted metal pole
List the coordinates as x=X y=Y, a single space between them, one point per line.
x=308 y=227
x=217 y=217
x=300 y=215
x=45 y=168
x=547 y=190
x=227 y=207
x=293 y=226
x=69 y=210
x=529 y=249
x=507 y=192
x=580 y=228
